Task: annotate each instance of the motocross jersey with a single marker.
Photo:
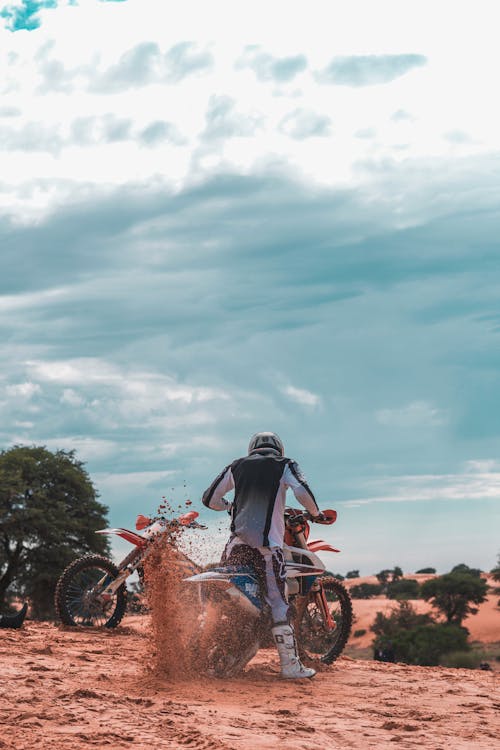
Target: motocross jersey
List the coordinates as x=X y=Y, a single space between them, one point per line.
x=260 y=482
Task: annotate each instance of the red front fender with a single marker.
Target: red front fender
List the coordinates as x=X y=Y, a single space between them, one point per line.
x=318 y=544
x=129 y=536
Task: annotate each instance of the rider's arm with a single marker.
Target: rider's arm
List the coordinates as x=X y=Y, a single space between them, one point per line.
x=296 y=481
x=213 y=497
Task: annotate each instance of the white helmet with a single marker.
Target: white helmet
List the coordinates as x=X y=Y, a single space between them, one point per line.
x=266 y=441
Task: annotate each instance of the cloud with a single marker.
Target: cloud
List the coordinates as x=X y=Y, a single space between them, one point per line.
x=368 y=70
x=223 y=120
x=459 y=137
x=367 y=133
x=301 y=396
x=169 y=324
x=145 y=64
x=88 y=131
x=302 y=123
x=185 y=59
x=31 y=137
x=160 y=131
x=401 y=115
x=476 y=482
x=24 y=14
x=269 y=68
x=22 y=390
x=9 y=112
x=414 y=415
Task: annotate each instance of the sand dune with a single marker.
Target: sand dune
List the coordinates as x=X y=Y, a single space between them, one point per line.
x=70 y=690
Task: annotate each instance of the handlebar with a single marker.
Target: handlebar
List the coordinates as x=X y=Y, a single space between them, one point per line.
x=295 y=517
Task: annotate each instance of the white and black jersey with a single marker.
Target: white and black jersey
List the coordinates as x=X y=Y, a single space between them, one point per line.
x=260 y=482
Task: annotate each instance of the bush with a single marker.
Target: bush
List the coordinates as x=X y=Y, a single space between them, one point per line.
x=352 y=574
x=403 y=589
x=404 y=618
x=426 y=570
x=463 y=568
x=359 y=633
x=365 y=590
x=461 y=659
x=425 y=644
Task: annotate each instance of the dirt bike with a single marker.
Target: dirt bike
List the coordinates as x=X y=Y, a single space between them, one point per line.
x=236 y=621
x=91 y=591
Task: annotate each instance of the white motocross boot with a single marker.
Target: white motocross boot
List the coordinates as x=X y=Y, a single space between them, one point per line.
x=291 y=666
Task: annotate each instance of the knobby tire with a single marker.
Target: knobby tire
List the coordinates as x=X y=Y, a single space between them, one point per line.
x=62 y=594
x=346 y=616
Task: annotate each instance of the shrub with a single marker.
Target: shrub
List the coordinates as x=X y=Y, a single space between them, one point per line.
x=461 y=659
x=365 y=590
x=404 y=589
x=424 y=644
x=463 y=568
x=405 y=617
x=359 y=633
x=352 y=574
x=426 y=570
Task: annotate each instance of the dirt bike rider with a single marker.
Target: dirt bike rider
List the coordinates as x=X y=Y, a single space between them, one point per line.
x=260 y=481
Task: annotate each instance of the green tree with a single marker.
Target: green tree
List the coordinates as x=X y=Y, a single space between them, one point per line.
x=495 y=572
x=426 y=570
x=352 y=574
x=463 y=568
x=48 y=516
x=383 y=577
x=365 y=590
x=397 y=574
x=453 y=594
x=405 y=588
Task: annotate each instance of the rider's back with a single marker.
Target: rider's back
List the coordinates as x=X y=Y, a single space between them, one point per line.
x=259 y=501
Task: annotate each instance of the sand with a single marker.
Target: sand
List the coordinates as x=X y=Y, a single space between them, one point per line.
x=67 y=689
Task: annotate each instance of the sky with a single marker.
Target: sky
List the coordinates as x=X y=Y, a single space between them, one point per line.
x=219 y=218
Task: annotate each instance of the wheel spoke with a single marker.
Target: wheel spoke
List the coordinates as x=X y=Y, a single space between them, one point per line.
x=80 y=601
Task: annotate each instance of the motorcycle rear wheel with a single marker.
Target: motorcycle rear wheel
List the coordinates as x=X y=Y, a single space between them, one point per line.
x=316 y=641
x=77 y=598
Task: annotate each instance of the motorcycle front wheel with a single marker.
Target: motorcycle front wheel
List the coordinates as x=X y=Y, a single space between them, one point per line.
x=79 y=599
x=317 y=639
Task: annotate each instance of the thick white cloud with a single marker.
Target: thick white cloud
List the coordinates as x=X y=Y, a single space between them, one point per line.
x=112 y=92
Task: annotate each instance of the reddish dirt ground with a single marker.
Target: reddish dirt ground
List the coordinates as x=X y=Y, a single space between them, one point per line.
x=73 y=689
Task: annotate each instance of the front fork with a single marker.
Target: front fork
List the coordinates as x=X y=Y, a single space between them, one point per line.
x=125 y=569
x=322 y=603
x=317 y=590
